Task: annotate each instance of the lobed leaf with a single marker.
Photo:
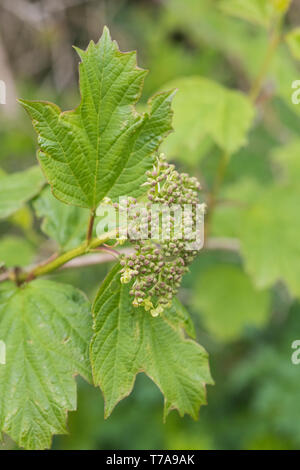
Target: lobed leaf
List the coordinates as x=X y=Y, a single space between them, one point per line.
x=206 y=113
x=103 y=147
x=266 y=221
x=46 y=329
x=269 y=238
x=128 y=340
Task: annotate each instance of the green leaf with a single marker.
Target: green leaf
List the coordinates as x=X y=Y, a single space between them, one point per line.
x=46 y=328
x=178 y=316
x=229 y=302
x=128 y=340
x=269 y=228
x=256 y=11
x=206 y=112
x=18 y=188
x=266 y=220
x=16 y=251
x=226 y=218
x=65 y=224
x=235 y=114
x=293 y=41
x=286 y=164
x=103 y=147
x=269 y=238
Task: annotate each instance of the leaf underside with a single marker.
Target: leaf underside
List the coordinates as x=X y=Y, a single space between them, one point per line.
x=103 y=147
x=65 y=224
x=128 y=340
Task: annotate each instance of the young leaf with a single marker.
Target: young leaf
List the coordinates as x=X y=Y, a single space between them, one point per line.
x=128 y=340
x=18 y=188
x=206 y=112
x=103 y=147
x=269 y=238
x=229 y=302
x=255 y=11
x=65 y=224
x=235 y=115
x=266 y=221
x=226 y=219
x=46 y=328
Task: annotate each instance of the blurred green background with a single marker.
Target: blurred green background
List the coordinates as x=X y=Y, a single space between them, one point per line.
x=246 y=311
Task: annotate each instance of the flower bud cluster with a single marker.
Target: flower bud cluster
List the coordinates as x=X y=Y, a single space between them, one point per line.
x=159 y=261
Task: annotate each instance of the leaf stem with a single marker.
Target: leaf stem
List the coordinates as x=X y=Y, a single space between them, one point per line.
x=272 y=46
x=108 y=249
x=90 y=226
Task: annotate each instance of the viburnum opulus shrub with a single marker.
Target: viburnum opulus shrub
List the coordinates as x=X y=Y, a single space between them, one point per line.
x=100 y=154
x=101 y=174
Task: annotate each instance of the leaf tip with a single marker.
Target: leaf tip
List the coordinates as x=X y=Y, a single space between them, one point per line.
x=172 y=93
x=79 y=51
x=23 y=103
x=105 y=36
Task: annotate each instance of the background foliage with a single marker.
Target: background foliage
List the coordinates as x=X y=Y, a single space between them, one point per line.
x=235 y=132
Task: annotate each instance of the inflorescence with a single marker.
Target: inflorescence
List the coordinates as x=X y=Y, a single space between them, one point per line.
x=161 y=257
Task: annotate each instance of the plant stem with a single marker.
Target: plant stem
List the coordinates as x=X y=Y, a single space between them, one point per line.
x=212 y=198
x=53 y=264
x=227 y=244
x=221 y=170
x=253 y=94
x=109 y=249
x=258 y=82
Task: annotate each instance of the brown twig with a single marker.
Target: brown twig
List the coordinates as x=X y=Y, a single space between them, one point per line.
x=222 y=243
x=93 y=259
